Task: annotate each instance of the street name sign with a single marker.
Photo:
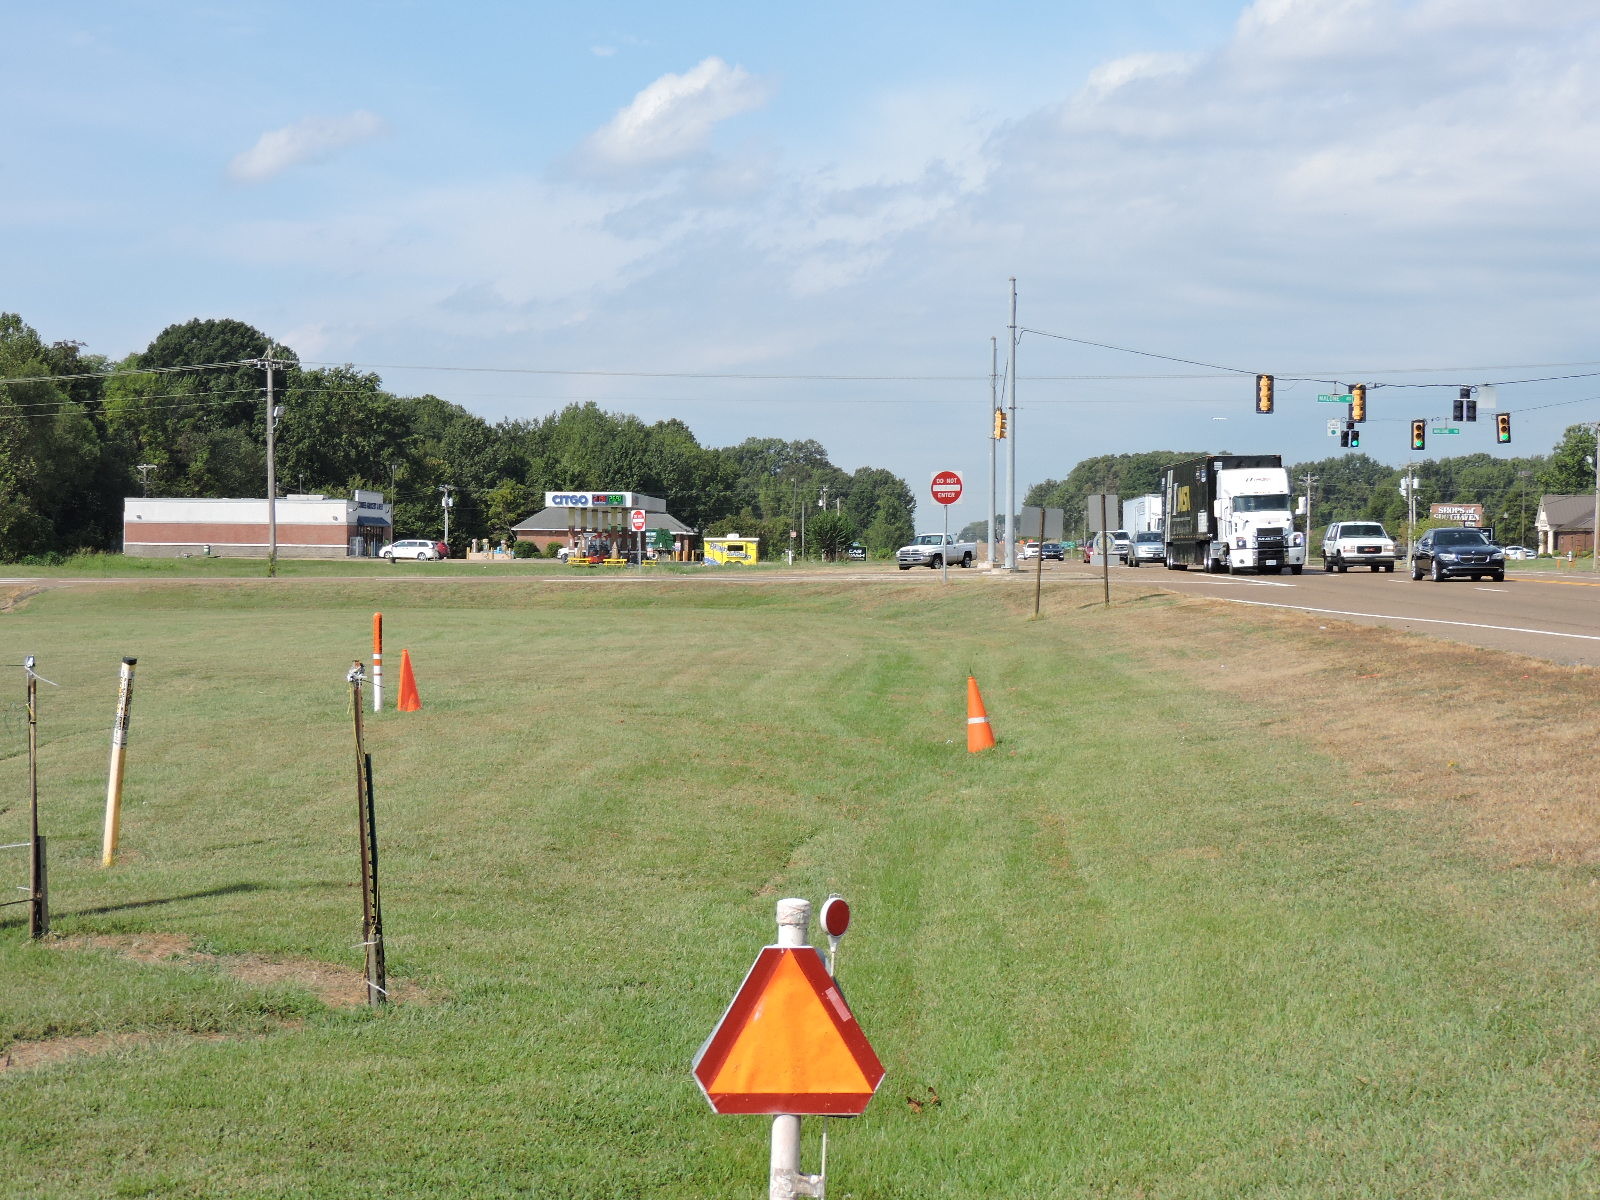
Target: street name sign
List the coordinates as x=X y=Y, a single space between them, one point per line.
x=1325 y=398
x=788 y=1044
x=1447 y=430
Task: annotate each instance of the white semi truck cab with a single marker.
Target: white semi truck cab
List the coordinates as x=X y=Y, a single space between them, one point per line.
x=1232 y=512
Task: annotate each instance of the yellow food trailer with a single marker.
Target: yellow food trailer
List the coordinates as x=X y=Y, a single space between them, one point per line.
x=732 y=550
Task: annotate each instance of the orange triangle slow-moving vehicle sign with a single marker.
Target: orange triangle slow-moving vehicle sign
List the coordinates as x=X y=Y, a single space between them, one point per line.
x=788 y=1044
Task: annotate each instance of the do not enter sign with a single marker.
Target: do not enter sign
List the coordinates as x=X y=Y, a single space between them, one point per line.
x=636 y=519
x=947 y=487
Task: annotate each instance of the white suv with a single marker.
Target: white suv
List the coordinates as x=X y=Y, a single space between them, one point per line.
x=417 y=548
x=1349 y=544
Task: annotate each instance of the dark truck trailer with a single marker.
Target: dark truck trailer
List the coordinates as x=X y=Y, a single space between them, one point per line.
x=1230 y=512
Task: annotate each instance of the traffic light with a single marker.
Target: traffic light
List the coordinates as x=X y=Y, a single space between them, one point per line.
x=999 y=423
x=1355 y=436
x=1502 y=428
x=1458 y=410
x=1358 y=402
x=1472 y=410
x=1344 y=436
x=1263 y=393
x=1419 y=435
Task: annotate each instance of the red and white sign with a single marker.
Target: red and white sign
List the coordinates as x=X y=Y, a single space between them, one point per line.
x=788 y=1044
x=636 y=519
x=947 y=487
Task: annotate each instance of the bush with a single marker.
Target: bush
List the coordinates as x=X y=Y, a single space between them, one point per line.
x=551 y=550
x=524 y=550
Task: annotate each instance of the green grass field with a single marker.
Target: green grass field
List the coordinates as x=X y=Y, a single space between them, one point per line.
x=1148 y=947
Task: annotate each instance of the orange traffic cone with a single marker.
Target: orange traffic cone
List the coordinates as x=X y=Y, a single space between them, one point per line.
x=980 y=735
x=409 y=700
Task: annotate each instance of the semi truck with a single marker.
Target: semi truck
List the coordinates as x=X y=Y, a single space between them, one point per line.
x=1231 y=512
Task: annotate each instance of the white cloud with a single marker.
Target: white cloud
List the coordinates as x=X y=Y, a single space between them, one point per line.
x=674 y=117
x=310 y=140
x=602 y=51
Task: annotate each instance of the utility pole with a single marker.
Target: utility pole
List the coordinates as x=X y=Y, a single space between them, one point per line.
x=1310 y=479
x=1011 y=449
x=1411 y=506
x=445 y=503
x=994 y=407
x=269 y=363
x=1594 y=528
x=144 y=470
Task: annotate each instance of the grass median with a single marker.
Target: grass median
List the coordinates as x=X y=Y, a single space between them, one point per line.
x=1160 y=942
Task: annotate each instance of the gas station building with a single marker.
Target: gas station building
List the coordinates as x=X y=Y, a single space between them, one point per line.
x=570 y=518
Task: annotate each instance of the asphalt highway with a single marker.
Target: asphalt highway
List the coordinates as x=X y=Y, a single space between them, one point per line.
x=1545 y=614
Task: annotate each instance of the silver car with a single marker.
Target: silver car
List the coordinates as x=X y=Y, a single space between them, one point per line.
x=1149 y=546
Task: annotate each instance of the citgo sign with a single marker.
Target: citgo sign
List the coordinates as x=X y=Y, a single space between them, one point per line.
x=588 y=499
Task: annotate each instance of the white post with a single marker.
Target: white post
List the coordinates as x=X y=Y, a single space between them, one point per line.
x=944 y=559
x=119 y=750
x=786 y=1181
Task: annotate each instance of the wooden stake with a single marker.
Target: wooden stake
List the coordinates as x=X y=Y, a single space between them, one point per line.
x=119 y=748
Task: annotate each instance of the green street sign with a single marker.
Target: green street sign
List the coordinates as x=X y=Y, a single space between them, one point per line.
x=1446 y=431
x=1324 y=398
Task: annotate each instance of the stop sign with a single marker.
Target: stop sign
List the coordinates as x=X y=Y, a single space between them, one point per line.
x=636 y=519
x=947 y=487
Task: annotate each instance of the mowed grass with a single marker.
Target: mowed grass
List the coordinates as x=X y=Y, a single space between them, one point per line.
x=1149 y=947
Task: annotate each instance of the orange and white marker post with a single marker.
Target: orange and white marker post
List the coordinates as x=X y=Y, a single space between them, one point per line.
x=119 y=752
x=377 y=662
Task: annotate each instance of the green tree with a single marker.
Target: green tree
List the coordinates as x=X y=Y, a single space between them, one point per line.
x=1565 y=473
x=891 y=526
x=830 y=534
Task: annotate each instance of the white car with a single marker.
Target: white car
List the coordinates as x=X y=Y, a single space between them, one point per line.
x=418 y=548
x=1519 y=552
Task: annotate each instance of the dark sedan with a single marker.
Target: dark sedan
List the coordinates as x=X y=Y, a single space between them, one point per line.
x=1442 y=554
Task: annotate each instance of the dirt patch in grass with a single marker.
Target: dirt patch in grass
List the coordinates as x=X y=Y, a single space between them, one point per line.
x=25 y=1056
x=15 y=596
x=1503 y=740
x=335 y=986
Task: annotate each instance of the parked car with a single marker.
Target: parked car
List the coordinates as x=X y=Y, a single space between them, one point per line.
x=1149 y=546
x=1348 y=544
x=420 y=549
x=1519 y=552
x=1443 y=553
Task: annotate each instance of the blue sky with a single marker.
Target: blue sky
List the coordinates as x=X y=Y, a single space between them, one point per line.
x=656 y=206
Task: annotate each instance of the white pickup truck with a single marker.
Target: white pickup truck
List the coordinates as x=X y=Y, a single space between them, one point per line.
x=935 y=550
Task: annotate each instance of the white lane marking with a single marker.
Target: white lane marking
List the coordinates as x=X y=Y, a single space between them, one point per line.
x=1245 y=582
x=1340 y=612
x=1484 y=589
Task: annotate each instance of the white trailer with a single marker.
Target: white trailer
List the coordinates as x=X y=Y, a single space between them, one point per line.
x=1142 y=513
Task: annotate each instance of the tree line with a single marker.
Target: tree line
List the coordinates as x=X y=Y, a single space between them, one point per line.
x=187 y=417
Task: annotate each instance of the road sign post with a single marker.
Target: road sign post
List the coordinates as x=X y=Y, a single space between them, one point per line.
x=946 y=489
x=636 y=521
